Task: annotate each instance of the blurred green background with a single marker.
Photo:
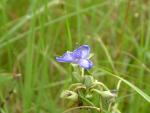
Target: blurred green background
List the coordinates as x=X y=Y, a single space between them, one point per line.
x=33 y=32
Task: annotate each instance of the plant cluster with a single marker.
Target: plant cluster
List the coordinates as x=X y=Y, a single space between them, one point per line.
x=85 y=87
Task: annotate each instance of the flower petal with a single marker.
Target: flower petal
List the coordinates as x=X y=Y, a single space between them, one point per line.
x=81 y=52
x=85 y=63
x=67 y=57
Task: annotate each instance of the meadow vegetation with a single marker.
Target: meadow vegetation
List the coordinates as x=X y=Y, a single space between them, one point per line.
x=34 y=32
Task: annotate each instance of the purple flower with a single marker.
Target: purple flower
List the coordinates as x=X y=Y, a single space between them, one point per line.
x=78 y=56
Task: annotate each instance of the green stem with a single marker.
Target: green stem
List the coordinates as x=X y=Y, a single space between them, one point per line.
x=101 y=84
x=75 y=85
x=87 y=101
x=109 y=107
x=82 y=72
x=100 y=103
x=118 y=85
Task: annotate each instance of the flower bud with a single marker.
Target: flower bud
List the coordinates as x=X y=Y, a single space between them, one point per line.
x=105 y=94
x=70 y=95
x=108 y=94
x=88 y=81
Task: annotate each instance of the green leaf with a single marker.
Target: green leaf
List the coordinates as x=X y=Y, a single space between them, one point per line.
x=139 y=91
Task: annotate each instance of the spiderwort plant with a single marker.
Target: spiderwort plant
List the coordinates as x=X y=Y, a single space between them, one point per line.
x=85 y=89
x=79 y=56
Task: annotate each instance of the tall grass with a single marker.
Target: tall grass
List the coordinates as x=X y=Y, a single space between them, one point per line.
x=33 y=32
